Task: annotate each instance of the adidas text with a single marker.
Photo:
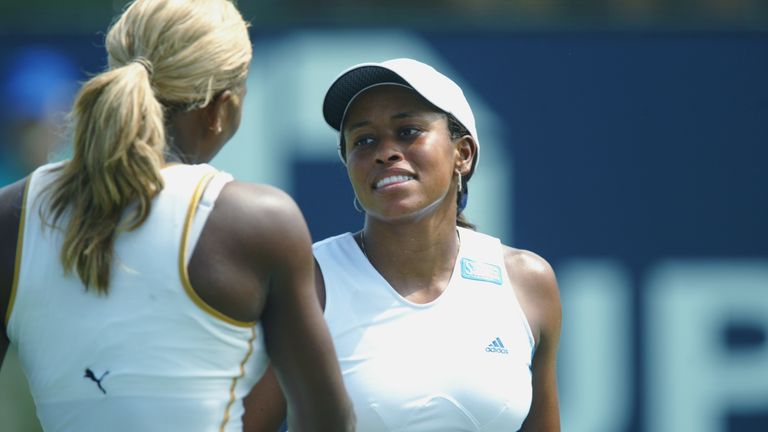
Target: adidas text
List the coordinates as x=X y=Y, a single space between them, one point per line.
x=497 y=346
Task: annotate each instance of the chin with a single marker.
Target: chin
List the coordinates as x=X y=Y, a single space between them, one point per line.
x=404 y=212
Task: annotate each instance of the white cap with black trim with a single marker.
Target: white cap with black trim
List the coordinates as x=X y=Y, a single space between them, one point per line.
x=433 y=86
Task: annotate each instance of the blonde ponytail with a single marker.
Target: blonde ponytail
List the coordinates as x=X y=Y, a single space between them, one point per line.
x=163 y=54
x=118 y=139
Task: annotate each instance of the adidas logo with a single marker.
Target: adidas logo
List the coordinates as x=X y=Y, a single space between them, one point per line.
x=496 y=346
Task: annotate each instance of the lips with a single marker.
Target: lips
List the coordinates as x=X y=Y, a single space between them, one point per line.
x=393 y=179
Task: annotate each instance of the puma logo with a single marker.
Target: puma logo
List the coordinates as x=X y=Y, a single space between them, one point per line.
x=89 y=374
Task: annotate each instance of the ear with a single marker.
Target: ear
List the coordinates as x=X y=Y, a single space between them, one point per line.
x=466 y=149
x=216 y=111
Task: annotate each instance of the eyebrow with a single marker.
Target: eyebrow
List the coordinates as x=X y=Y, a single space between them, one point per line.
x=398 y=116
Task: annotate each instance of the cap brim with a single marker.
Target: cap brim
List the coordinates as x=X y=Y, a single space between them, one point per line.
x=349 y=84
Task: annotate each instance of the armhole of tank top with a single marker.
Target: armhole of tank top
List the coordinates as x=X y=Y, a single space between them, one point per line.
x=183 y=271
x=521 y=312
x=19 y=249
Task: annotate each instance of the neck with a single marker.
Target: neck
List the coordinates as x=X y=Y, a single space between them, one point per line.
x=415 y=258
x=173 y=155
x=184 y=139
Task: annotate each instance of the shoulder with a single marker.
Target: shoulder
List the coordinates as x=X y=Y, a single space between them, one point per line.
x=11 y=202
x=536 y=287
x=527 y=266
x=11 y=198
x=258 y=204
x=330 y=242
x=326 y=253
x=261 y=217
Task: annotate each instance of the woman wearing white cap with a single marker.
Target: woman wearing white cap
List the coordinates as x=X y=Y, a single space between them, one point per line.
x=142 y=287
x=436 y=327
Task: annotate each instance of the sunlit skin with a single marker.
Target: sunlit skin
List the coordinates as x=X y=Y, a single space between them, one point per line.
x=252 y=262
x=410 y=225
x=410 y=232
x=198 y=135
x=389 y=132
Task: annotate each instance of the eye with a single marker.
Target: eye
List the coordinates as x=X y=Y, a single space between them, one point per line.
x=409 y=132
x=362 y=141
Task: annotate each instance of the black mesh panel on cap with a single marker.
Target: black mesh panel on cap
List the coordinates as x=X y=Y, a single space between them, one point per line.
x=348 y=85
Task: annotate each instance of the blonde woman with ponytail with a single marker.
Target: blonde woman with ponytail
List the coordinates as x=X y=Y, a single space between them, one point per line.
x=144 y=289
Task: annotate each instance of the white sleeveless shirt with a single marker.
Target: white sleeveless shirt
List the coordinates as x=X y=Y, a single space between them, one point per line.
x=148 y=356
x=459 y=363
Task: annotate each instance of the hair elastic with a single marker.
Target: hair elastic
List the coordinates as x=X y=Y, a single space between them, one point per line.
x=146 y=63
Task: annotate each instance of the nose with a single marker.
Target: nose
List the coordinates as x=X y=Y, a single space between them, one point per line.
x=388 y=151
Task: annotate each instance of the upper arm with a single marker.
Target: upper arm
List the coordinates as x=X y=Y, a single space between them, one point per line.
x=11 y=201
x=536 y=288
x=296 y=336
x=265 y=405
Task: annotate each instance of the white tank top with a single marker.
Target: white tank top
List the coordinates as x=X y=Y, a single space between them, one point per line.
x=459 y=363
x=148 y=356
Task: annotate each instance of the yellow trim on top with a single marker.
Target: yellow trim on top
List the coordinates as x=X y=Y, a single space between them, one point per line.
x=19 y=244
x=183 y=258
x=234 y=380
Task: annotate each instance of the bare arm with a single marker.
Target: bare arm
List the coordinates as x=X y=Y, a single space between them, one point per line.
x=310 y=378
x=11 y=198
x=536 y=288
x=265 y=404
x=256 y=247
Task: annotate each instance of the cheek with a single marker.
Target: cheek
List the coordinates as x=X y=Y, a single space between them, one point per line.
x=434 y=155
x=356 y=175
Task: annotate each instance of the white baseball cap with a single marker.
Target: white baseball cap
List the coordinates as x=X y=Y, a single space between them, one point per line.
x=433 y=86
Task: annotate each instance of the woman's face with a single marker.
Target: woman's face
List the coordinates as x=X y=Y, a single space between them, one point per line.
x=400 y=156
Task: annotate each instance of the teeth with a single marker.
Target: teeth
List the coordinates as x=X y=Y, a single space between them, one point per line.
x=394 y=179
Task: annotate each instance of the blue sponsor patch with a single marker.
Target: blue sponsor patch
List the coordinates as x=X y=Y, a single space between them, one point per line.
x=480 y=271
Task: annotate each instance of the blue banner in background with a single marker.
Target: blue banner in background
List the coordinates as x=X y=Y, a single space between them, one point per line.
x=634 y=162
x=638 y=156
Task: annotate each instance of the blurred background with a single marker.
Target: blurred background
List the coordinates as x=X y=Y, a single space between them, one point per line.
x=626 y=141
